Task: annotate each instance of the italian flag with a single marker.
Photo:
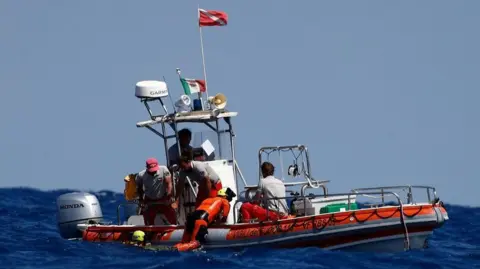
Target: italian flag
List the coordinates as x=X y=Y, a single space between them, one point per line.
x=193 y=85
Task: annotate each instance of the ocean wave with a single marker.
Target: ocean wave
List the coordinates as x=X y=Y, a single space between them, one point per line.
x=31 y=240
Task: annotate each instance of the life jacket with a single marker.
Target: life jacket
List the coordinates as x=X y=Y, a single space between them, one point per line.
x=214 y=207
x=130 y=191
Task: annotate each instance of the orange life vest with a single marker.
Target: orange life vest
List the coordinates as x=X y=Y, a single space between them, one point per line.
x=130 y=191
x=214 y=207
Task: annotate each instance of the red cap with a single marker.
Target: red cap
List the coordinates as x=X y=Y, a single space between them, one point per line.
x=152 y=165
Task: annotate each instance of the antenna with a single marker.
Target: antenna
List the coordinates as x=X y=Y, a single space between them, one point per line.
x=178 y=72
x=170 y=97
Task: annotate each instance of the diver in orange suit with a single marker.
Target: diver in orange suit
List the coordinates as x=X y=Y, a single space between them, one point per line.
x=211 y=210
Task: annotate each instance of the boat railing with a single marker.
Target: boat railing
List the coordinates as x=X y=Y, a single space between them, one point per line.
x=305 y=185
x=237 y=170
x=321 y=184
x=408 y=189
x=339 y=197
x=336 y=197
x=350 y=196
x=121 y=205
x=138 y=204
x=301 y=163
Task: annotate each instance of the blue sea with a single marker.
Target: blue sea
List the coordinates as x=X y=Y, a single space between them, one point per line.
x=30 y=240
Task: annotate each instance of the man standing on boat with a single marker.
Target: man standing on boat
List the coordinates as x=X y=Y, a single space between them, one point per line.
x=269 y=188
x=184 y=138
x=154 y=188
x=208 y=181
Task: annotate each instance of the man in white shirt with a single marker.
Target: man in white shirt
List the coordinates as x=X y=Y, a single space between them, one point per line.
x=269 y=188
x=154 y=185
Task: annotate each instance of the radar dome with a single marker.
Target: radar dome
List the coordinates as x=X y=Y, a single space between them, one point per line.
x=151 y=89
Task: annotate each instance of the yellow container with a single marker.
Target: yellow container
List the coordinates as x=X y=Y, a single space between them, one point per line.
x=130 y=191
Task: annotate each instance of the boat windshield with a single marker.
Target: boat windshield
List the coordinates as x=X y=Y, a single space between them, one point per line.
x=208 y=141
x=207 y=144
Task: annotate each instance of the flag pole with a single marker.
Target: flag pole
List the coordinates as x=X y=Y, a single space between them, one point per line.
x=203 y=57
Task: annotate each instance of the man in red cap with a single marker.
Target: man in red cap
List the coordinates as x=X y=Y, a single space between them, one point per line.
x=154 y=185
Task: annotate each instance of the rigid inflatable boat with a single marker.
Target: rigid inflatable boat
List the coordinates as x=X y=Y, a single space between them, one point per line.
x=390 y=218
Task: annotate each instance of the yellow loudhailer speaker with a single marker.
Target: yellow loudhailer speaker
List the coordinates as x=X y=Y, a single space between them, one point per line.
x=219 y=100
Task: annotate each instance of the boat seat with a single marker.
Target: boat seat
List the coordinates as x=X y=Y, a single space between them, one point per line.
x=135 y=220
x=138 y=220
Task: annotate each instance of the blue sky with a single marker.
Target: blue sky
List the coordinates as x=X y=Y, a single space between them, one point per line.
x=382 y=92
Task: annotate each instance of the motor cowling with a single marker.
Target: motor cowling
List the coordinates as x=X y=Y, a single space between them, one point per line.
x=76 y=208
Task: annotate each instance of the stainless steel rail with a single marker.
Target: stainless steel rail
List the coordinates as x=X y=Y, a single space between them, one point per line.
x=382 y=194
x=410 y=188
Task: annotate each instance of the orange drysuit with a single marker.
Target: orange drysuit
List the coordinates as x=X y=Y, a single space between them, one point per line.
x=199 y=220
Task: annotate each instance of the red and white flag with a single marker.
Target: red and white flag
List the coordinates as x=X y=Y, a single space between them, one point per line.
x=212 y=18
x=191 y=86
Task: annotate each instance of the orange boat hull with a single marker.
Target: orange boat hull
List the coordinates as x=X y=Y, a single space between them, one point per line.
x=325 y=230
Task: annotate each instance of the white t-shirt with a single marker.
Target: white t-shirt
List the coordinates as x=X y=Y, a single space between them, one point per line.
x=272 y=187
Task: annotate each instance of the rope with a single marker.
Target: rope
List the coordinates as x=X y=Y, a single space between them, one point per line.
x=332 y=220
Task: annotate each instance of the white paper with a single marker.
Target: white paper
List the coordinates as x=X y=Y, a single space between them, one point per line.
x=208 y=147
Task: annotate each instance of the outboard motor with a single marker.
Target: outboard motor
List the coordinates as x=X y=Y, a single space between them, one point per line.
x=77 y=208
